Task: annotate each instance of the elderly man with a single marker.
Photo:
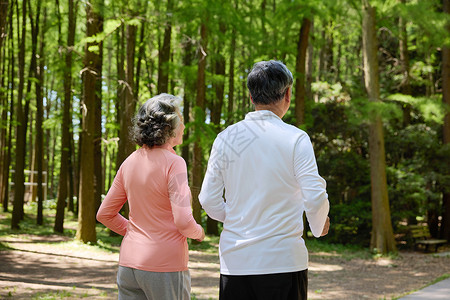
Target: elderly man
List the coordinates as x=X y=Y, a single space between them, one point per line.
x=269 y=173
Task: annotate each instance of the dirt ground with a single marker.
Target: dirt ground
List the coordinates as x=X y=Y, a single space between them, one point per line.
x=36 y=267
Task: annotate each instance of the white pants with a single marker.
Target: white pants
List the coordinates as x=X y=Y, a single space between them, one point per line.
x=146 y=285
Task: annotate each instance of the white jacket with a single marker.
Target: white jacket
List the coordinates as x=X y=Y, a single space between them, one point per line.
x=270 y=177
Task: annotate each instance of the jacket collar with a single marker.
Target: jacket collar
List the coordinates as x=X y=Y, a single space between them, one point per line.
x=261 y=115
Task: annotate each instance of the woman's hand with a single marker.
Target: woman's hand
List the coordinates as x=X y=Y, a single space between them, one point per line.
x=203 y=236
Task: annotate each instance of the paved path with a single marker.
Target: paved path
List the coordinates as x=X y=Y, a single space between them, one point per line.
x=440 y=290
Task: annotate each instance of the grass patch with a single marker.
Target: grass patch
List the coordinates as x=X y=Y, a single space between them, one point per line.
x=440 y=278
x=28 y=226
x=52 y=295
x=209 y=245
x=347 y=252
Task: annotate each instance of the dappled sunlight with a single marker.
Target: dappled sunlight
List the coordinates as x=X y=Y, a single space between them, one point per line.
x=205 y=273
x=31 y=272
x=325 y=254
x=320 y=267
x=62 y=248
x=384 y=262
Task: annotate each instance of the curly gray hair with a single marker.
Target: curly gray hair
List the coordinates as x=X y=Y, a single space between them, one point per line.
x=156 y=120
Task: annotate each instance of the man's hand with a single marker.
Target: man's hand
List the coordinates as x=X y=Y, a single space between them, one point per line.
x=326 y=227
x=203 y=236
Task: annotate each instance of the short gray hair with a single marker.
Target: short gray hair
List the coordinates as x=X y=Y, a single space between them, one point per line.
x=156 y=120
x=268 y=81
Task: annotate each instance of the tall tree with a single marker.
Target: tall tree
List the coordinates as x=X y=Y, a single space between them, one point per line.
x=4 y=5
x=405 y=85
x=164 y=52
x=197 y=167
x=11 y=72
x=120 y=98
x=141 y=51
x=217 y=103
x=128 y=103
x=128 y=99
x=309 y=64
x=189 y=90
x=39 y=144
x=92 y=90
x=382 y=234
x=19 y=178
x=445 y=227
x=300 y=74
x=231 y=77
x=63 y=185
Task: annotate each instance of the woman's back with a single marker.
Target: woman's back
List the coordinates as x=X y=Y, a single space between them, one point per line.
x=154 y=181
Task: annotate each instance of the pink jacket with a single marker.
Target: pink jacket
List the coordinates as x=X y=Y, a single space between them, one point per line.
x=154 y=182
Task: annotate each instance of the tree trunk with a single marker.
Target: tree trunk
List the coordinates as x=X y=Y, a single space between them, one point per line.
x=321 y=60
x=219 y=85
x=3 y=132
x=230 y=118
x=73 y=177
x=197 y=168
x=309 y=64
x=31 y=75
x=63 y=185
x=4 y=5
x=445 y=227
x=11 y=73
x=98 y=169
x=382 y=239
x=120 y=102
x=19 y=178
x=216 y=111
x=263 y=22
x=128 y=105
x=164 y=53
x=50 y=139
x=405 y=85
x=128 y=108
x=39 y=143
x=73 y=12
x=141 y=54
x=92 y=90
x=189 y=89
x=300 y=68
x=32 y=162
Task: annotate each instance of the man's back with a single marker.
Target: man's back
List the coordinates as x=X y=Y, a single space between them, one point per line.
x=257 y=162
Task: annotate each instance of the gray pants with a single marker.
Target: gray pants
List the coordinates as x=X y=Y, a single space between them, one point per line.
x=146 y=285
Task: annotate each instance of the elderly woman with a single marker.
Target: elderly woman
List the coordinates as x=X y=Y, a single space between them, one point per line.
x=153 y=261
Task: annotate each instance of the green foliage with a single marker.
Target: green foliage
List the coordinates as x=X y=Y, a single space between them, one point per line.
x=430 y=20
x=417 y=161
x=203 y=132
x=418 y=172
x=430 y=109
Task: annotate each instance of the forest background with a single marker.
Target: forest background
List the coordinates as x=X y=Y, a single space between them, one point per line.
x=372 y=89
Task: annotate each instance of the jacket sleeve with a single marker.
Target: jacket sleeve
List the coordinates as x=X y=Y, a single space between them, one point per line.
x=313 y=187
x=108 y=213
x=180 y=200
x=211 y=194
